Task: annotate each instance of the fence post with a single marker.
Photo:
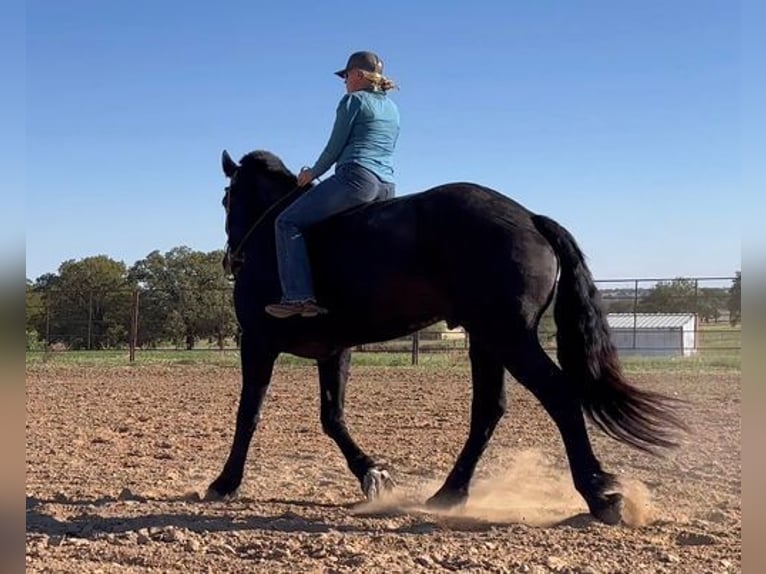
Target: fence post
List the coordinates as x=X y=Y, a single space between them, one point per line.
x=635 y=311
x=134 y=326
x=221 y=311
x=90 y=320
x=696 y=314
x=696 y=297
x=415 y=347
x=47 y=325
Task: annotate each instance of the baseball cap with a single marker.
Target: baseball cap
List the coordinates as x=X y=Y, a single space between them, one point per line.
x=367 y=61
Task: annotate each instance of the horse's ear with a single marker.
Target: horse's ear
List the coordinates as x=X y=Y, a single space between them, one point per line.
x=229 y=165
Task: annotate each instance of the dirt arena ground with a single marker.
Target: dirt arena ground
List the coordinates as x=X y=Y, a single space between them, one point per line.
x=116 y=459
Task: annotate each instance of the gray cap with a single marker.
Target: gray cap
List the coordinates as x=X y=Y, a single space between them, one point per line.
x=367 y=61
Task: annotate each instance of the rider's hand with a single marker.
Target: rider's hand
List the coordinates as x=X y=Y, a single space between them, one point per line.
x=305 y=177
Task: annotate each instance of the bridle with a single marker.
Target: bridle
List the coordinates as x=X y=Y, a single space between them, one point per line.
x=232 y=256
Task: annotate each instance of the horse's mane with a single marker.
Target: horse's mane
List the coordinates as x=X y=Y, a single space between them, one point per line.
x=266 y=162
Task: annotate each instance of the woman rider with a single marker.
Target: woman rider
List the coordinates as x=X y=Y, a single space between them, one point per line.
x=361 y=146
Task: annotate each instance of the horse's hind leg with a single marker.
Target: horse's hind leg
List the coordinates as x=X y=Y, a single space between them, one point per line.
x=487 y=408
x=534 y=369
x=333 y=375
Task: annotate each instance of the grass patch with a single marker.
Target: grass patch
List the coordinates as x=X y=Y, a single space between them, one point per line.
x=122 y=358
x=704 y=361
x=719 y=336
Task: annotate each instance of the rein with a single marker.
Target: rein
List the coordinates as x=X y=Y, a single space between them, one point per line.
x=232 y=255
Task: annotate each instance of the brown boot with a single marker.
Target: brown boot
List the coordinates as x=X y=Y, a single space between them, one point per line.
x=287 y=309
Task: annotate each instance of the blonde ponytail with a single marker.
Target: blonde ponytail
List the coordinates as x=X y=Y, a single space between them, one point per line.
x=379 y=81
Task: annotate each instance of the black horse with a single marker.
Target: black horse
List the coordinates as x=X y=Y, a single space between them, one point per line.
x=458 y=252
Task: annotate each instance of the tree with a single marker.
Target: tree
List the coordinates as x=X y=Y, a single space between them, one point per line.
x=86 y=305
x=676 y=296
x=158 y=299
x=35 y=317
x=185 y=297
x=625 y=305
x=685 y=296
x=735 y=299
x=710 y=302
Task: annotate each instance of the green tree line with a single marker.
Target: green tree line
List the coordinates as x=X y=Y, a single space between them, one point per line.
x=683 y=295
x=183 y=298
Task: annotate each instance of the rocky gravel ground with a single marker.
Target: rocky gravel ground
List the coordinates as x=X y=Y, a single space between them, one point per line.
x=117 y=460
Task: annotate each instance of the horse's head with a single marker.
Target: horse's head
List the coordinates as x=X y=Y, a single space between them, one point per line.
x=256 y=186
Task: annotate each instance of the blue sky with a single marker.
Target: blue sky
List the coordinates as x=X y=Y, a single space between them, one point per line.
x=621 y=120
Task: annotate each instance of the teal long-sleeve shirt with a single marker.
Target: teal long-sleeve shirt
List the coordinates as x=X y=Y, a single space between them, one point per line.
x=365 y=132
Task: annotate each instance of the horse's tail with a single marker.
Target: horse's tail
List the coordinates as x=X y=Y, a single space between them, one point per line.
x=643 y=419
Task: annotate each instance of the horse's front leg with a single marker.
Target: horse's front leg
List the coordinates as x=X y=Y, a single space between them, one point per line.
x=333 y=374
x=257 y=366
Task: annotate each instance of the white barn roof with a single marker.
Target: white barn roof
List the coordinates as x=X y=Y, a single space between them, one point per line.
x=649 y=320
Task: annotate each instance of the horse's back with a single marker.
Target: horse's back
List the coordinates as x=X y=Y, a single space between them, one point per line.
x=439 y=208
x=445 y=248
x=406 y=229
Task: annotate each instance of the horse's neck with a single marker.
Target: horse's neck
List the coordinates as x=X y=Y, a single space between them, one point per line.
x=261 y=243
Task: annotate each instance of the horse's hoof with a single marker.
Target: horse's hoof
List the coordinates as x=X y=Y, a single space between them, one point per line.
x=212 y=495
x=608 y=509
x=445 y=499
x=220 y=489
x=376 y=482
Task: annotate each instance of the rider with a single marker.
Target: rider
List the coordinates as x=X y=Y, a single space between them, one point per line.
x=361 y=145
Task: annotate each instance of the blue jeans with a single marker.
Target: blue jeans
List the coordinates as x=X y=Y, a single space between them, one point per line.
x=351 y=186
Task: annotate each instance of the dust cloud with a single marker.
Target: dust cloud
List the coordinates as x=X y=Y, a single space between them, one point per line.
x=524 y=487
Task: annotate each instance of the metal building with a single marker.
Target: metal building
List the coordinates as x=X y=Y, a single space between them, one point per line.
x=654 y=334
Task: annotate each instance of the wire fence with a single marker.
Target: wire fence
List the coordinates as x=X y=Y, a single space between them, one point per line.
x=679 y=316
